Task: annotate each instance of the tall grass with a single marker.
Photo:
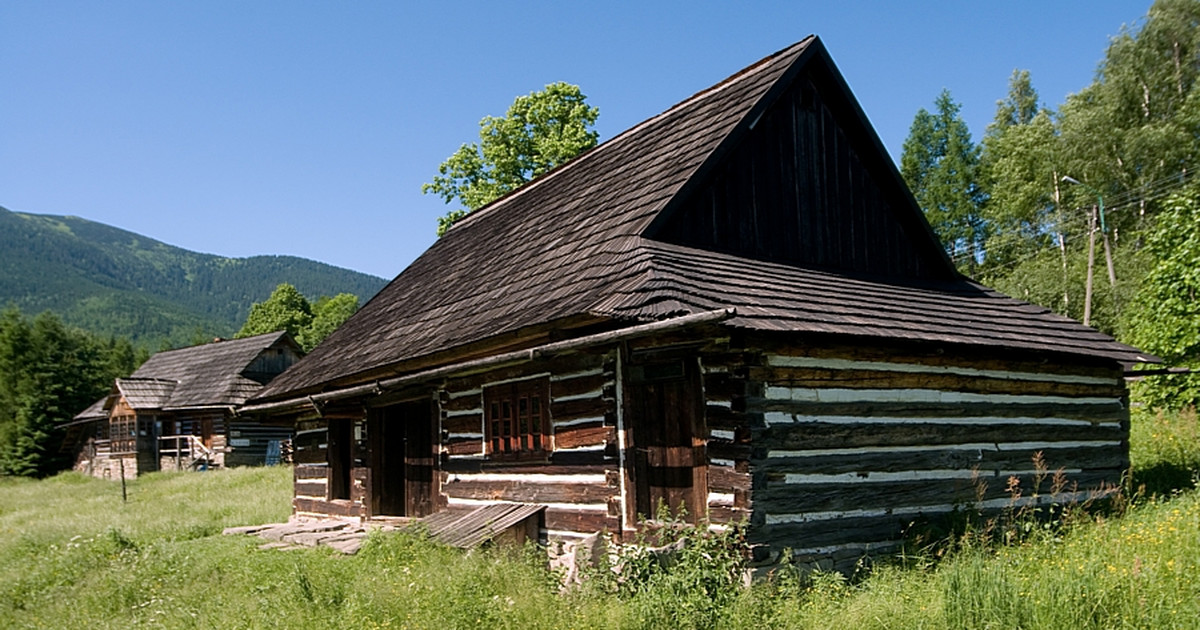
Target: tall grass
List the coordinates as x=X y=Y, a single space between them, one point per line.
x=1164 y=450
x=72 y=555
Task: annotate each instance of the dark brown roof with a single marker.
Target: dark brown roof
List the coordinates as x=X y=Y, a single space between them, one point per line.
x=571 y=244
x=95 y=411
x=145 y=393
x=777 y=297
x=202 y=376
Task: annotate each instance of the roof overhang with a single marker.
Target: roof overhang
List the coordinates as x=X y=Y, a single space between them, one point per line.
x=312 y=403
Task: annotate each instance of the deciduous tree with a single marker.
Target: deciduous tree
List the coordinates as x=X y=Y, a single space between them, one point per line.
x=1167 y=317
x=287 y=309
x=328 y=314
x=540 y=131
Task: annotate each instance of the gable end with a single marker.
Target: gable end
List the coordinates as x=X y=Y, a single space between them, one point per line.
x=807 y=183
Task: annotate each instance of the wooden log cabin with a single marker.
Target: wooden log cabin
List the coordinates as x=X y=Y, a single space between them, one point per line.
x=734 y=309
x=178 y=411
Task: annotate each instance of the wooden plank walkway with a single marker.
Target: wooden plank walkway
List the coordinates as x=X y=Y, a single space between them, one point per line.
x=502 y=522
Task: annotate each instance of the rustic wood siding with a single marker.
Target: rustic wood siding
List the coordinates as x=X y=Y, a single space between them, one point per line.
x=246 y=442
x=854 y=446
x=799 y=189
x=577 y=481
x=729 y=434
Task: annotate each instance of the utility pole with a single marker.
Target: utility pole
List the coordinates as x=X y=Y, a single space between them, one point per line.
x=1112 y=274
x=1087 y=291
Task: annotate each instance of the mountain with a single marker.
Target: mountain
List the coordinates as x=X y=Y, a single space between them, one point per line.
x=112 y=281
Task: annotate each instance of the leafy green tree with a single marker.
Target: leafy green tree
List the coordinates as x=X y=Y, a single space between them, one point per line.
x=328 y=314
x=540 y=131
x=287 y=309
x=1134 y=127
x=1019 y=168
x=941 y=165
x=1167 y=314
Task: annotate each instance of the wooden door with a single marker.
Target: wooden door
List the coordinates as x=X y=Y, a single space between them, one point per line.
x=665 y=411
x=385 y=437
x=206 y=431
x=420 y=457
x=341 y=436
x=403 y=457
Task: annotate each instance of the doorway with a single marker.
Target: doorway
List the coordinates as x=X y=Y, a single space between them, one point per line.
x=665 y=408
x=402 y=458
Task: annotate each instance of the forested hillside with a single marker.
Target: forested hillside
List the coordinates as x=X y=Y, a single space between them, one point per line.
x=114 y=282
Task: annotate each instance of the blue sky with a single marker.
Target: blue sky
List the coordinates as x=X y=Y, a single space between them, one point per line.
x=307 y=128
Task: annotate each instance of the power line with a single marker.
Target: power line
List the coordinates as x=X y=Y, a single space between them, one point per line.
x=1150 y=191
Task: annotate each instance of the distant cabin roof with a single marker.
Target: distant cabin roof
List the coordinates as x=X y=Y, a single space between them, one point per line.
x=597 y=242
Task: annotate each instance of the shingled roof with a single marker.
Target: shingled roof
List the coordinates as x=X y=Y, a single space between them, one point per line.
x=586 y=243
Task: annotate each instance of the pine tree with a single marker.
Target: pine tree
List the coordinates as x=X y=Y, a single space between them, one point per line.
x=941 y=165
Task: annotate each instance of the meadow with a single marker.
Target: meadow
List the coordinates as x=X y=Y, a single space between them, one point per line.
x=73 y=555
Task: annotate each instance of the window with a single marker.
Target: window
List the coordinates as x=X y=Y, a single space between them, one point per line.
x=516 y=419
x=123 y=433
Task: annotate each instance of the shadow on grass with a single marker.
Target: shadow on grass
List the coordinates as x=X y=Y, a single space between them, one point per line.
x=1164 y=479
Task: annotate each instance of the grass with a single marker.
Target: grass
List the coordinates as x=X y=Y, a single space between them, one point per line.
x=73 y=555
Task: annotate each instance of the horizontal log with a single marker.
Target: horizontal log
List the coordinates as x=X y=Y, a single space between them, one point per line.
x=464 y=447
x=303 y=471
x=463 y=424
x=727 y=479
x=330 y=508
x=478 y=465
x=463 y=403
x=935 y=355
x=718 y=417
x=946 y=459
x=584 y=408
x=580 y=458
x=584 y=435
x=524 y=492
x=308 y=456
x=584 y=522
x=561 y=364
x=823 y=435
x=727 y=515
x=829 y=533
x=806 y=498
x=580 y=385
x=869 y=379
x=724 y=386
x=310 y=489
x=1107 y=412
x=727 y=450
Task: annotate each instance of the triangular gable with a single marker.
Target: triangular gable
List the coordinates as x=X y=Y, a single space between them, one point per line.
x=805 y=181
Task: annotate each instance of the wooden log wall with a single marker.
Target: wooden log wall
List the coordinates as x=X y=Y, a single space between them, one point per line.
x=729 y=433
x=577 y=481
x=854 y=445
x=247 y=441
x=311 y=472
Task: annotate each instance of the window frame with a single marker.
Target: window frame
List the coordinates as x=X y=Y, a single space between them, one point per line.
x=123 y=434
x=516 y=420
